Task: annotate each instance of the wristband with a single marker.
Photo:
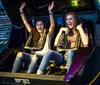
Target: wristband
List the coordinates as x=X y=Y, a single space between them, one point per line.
x=22 y=14
x=50 y=12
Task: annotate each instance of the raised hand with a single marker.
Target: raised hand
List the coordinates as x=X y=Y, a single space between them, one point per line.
x=51 y=6
x=22 y=7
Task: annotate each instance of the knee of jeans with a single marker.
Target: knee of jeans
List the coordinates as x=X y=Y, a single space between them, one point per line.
x=19 y=54
x=34 y=57
x=69 y=51
x=50 y=53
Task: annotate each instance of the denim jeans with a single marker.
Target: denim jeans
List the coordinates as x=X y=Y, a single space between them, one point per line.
x=27 y=59
x=51 y=55
x=70 y=57
x=57 y=57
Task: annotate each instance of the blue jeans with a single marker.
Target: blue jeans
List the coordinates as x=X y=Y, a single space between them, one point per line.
x=27 y=58
x=70 y=57
x=57 y=57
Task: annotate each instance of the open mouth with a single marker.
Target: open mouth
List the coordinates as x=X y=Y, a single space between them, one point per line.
x=70 y=25
x=39 y=28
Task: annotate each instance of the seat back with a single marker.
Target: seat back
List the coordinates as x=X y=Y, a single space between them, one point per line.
x=88 y=26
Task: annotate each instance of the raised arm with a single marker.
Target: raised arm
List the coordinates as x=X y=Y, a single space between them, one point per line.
x=25 y=21
x=63 y=29
x=84 y=36
x=52 y=22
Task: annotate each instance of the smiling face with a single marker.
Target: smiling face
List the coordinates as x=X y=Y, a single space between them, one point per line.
x=40 y=26
x=70 y=20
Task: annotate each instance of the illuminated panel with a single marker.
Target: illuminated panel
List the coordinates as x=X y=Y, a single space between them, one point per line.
x=74 y=3
x=5 y=28
x=78 y=3
x=99 y=1
x=98 y=4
